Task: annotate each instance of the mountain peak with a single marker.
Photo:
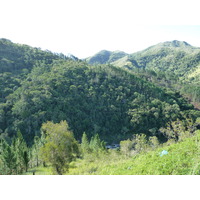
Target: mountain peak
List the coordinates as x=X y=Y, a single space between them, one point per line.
x=106 y=56
x=176 y=43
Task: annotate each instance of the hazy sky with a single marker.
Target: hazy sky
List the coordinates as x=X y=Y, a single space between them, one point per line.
x=84 y=27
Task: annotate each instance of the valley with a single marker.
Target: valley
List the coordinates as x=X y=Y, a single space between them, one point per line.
x=53 y=104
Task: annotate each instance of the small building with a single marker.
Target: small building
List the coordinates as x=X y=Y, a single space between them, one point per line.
x=112 y=146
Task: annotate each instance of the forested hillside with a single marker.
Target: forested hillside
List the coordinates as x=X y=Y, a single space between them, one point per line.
x=17 y=58
x=103 y=99
x=174 y=64
x=47 y=99
x=16 y=61
x=175 y=56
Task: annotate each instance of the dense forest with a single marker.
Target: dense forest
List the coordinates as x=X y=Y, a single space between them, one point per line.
x=174 y=64
x=55 y=109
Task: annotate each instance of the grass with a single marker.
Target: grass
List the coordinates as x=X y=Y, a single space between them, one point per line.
x=183 y=158
x=39 y=171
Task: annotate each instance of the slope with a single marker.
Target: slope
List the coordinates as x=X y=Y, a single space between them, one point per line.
x=16 y=61
x=105 y=56
x=101 y=99
x=173 y=64
x=182 y=159
x=175 y=56
x=15 y=58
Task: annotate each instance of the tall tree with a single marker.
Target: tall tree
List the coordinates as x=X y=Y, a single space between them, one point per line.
x=96 y=145
x=21 y=152
x=8 y=158
x=85 y=144
x=60 y=147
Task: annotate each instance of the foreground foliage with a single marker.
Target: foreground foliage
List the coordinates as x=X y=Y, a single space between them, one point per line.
x=60 y=147
x=183 y=158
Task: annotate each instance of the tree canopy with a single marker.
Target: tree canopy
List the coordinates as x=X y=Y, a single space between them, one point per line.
x=60 y=146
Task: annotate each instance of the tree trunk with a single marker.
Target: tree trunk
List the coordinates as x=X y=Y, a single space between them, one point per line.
x=44 y=164
x=58 y=170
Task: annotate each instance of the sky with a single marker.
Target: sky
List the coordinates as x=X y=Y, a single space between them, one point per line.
x=84 y=27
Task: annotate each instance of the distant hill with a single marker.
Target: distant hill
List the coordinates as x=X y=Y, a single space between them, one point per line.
x=174 y=64
x=105 y=57
x=175 y=56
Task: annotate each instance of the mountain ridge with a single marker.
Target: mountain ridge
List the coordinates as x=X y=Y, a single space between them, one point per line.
x=102 y=99
x=105 y=56
x=152 y=57
x=174 y=64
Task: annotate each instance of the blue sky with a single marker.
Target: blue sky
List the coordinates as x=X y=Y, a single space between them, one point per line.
x=86 y=27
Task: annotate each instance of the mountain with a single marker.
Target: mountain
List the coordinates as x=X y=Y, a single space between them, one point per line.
x=105 y=57
x=103 y=99
x=100 y=99
x=174 y=64
x=16 y=58
x=49 y=100
x=172 y=44
x=175 y=56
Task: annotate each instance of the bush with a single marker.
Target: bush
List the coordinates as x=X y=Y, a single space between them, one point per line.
x=126 y=146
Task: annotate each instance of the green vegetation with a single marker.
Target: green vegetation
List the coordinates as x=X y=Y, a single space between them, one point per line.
x=173 y=65
x=40 y=171
x=14 y=158
x=101 y=99
x=58 y=115
x=60 y=147
x=105 y=57
x=182 y=159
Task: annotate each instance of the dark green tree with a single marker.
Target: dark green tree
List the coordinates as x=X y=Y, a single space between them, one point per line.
x=8 y=158
x=21 y=152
